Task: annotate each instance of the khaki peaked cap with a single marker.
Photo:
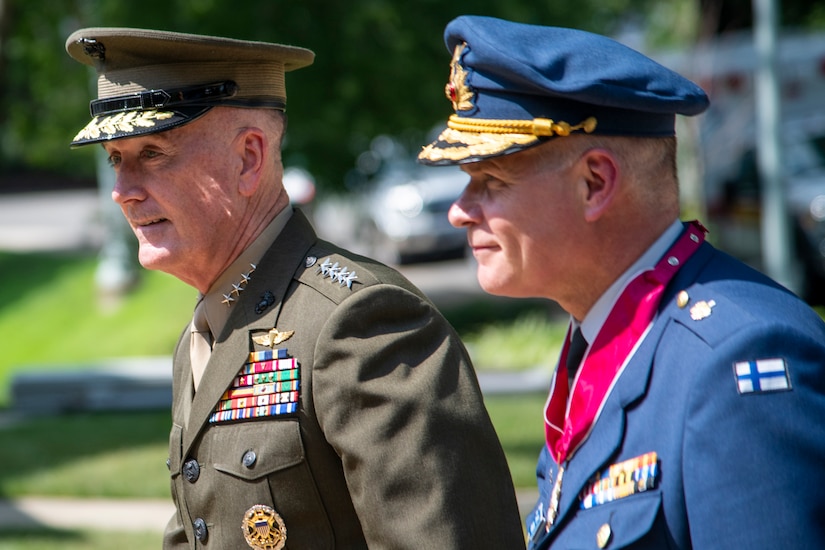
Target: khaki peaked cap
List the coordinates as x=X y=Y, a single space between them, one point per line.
x=151 y=81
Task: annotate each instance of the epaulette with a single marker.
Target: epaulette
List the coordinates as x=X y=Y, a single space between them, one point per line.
x=712 y=316
x=332 y=274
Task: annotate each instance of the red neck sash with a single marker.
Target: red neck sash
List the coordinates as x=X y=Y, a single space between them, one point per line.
x=567 y=424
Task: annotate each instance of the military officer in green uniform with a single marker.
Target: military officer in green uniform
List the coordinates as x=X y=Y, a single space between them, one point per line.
x=320 y=399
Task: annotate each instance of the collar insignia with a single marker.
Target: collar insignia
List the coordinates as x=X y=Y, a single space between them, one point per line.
x=237 y=288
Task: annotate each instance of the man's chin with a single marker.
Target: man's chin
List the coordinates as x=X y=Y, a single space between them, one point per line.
x=152 y=258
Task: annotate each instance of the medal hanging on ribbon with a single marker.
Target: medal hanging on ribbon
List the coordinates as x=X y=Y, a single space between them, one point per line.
x=568 y=421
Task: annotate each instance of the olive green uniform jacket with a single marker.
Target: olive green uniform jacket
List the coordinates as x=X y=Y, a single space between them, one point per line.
x=391 y=446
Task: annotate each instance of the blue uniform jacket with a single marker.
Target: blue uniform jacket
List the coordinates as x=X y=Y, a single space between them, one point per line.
x=736 y=468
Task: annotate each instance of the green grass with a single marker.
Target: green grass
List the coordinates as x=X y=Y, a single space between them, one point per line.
x=116 y=455
x=529 y=341
x=51 y=317
x=123 y=455
x=77 y=540
x=518 y=423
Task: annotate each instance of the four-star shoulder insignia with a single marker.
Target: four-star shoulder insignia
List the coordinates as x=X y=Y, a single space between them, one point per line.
x=337 y=273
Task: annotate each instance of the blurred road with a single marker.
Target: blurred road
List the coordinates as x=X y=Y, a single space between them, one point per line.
x=50 y=221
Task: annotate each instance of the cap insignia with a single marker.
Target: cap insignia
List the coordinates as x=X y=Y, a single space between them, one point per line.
x=457 y=90
x=121 y=122
x=263 y=528
x=93 y=48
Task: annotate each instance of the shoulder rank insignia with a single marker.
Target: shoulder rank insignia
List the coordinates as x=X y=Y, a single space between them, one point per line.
x=336 y=273
x=761 y=375
x=701 y=310
x=263 y=528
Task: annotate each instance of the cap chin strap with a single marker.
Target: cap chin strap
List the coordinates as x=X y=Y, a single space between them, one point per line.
x=542 y=127
x=158 y=99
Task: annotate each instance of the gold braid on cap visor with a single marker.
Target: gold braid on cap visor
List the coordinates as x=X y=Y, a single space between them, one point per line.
x=541 y=127
x=471 y=137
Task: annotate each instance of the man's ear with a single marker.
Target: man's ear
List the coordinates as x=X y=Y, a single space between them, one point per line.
x=600 y=171
x=252 y=147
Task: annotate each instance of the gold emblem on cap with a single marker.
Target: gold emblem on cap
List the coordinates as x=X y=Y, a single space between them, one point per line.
x=121 y=122
x=263 y=528
x=682 y=299
x=457 y=90
x=701 y=310
x=603 y=535
x=273 y=337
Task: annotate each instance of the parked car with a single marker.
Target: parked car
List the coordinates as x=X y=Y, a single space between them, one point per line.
x=403 y=213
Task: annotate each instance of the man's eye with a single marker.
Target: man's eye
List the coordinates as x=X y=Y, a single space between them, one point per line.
x=114 y=160
x=149 y=154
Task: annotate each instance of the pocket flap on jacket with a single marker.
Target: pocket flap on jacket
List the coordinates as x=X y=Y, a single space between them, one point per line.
x=256 y=449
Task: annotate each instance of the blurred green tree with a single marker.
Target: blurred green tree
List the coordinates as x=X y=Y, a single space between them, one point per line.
x=380 y=65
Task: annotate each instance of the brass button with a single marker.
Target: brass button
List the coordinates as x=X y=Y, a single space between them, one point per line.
x=682 y=299
x=603 y=535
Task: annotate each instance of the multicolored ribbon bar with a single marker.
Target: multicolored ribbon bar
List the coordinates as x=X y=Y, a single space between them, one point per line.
x=269 y=366
x=267 y=355
x=249 y=390
x=267 y=385
x=258 y=401
x=253 y=412
x=621 y=480
x=264 y=378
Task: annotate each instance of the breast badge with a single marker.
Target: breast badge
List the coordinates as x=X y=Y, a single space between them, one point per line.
x=273 y=337
x=263 y=528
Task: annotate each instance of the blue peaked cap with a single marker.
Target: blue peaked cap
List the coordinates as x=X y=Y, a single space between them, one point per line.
x=514 y=85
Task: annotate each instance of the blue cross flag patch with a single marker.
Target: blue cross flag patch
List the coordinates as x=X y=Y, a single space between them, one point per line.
x=761 y=375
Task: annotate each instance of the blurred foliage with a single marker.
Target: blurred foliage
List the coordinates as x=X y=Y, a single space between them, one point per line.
x=381 y=65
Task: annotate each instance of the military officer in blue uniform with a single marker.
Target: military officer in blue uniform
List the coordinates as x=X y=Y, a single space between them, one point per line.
x=687 y=407
x=320 y=399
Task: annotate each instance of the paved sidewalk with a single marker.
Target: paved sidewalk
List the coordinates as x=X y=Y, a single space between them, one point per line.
x=114 y=515
x=95 y=514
